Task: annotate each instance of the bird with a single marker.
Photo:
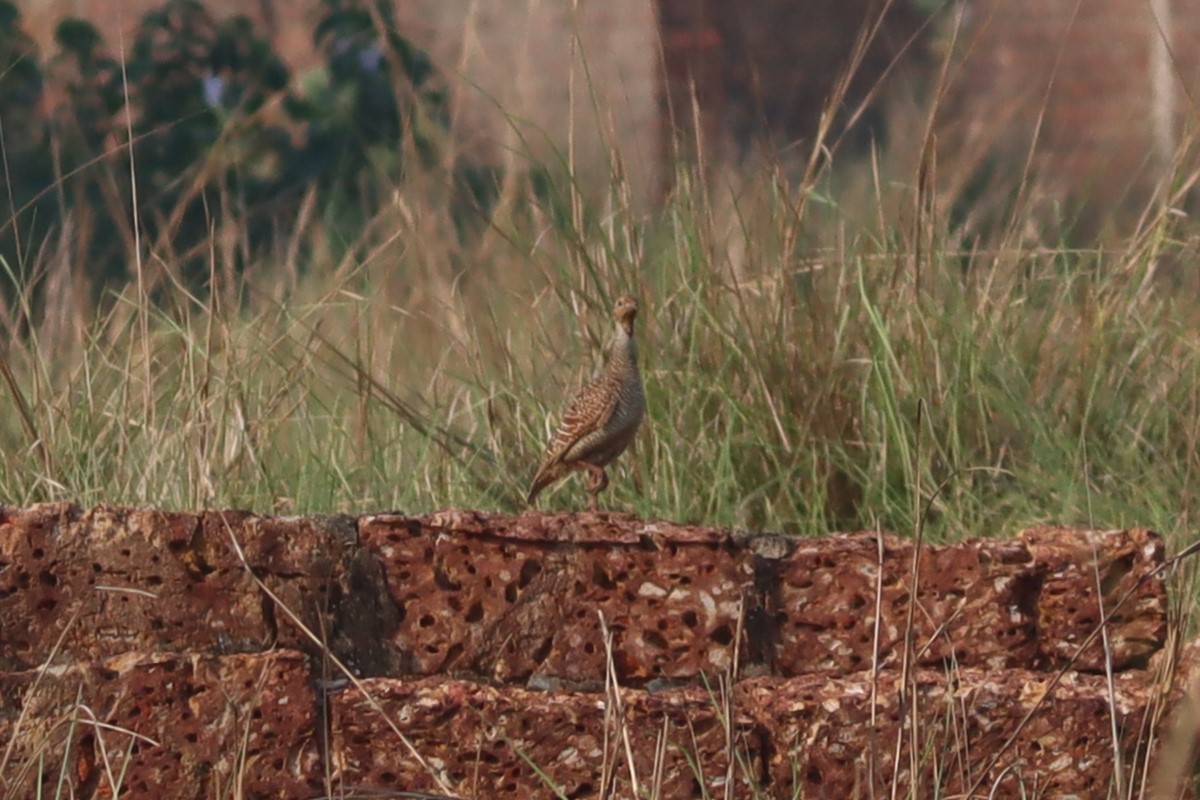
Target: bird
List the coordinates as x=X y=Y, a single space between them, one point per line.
x=600 y=422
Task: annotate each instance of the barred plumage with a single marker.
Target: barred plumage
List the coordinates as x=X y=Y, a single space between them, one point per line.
x=602 y=419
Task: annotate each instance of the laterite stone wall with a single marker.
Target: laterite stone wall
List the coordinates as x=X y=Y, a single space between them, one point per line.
x=490 y=656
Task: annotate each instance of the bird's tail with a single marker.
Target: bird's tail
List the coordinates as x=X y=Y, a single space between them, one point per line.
x=545 y=476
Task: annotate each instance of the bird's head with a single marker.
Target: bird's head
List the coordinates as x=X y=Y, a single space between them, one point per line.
x=626 y=311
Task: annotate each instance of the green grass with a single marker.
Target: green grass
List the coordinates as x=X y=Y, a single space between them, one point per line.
x=822 y=350
x=802 y=373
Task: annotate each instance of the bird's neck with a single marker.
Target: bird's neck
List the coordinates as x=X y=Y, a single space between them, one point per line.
x=622 y=350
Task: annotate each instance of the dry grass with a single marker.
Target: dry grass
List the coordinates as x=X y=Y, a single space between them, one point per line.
x=785 y=358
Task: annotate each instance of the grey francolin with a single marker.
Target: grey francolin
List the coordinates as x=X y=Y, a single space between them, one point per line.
x=600 y=422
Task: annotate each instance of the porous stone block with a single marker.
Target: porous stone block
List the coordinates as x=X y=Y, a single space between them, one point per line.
x=107 y=581
x=842 y=604
x=486 y=743
x=520 y=598
x=91 y=584
x=164 y=725
x=999 y=734
x=1089 y=574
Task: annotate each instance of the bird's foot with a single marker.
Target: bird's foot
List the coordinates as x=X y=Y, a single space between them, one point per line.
x=597 y=483
x=597 y=479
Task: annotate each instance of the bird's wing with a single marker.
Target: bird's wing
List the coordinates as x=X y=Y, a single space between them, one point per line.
x=590 y=410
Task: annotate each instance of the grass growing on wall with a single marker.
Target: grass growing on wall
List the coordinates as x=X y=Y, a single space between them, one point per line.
x=802 y=372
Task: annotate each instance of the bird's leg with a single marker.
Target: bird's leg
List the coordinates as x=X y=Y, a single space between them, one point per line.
x=598 y=478
x=597 y=483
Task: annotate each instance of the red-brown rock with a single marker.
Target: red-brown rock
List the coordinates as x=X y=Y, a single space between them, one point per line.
x=478 y=742
x=842 y=604
x=109 y=581
x=162 y=725
x=1093 y=573
x=813 y=736
x=141 y=643
x=837 y=737
x=515 y=598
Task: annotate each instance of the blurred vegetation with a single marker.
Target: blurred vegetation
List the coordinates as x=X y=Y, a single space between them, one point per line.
x=218 y=130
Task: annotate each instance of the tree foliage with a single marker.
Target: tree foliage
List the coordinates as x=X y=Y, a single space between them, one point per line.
x=211 y=125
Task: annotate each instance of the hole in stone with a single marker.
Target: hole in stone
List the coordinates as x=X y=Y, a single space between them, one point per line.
x=38 y=552
x=655 y=639
x=589 y=648
x=722 y=635
x=543 y=650
x=47 y=604
x=529 y=571
x=154 y=580
x=426 y=621
x=47 y=578
x=601 y=578
x=475 y=612
x=443 y=581
x=510 y=593
x=690 y=619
